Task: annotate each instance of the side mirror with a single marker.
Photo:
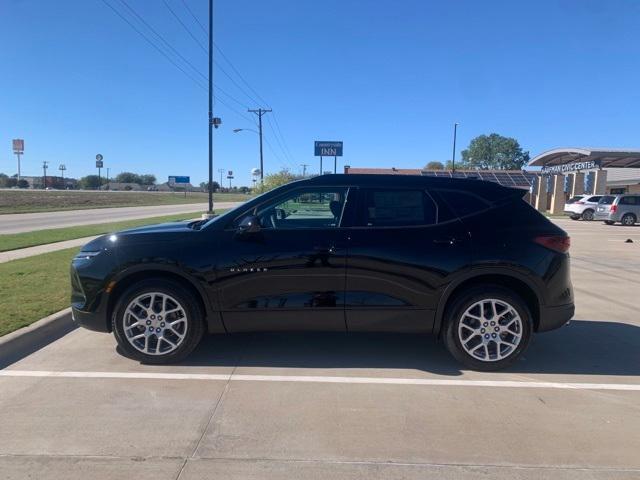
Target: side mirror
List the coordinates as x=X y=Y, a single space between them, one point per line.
x=249 y=224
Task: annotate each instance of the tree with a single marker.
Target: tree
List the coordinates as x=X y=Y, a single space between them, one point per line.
x=91 y=182
x=22 y=183
x=147 y=179
x=205 y=186
x=273 y=180
x=434 y=166
x=127 y=177
x=494 y=152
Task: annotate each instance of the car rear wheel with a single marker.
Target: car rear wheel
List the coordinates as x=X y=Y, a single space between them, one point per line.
x=157 y=322
x=609 y=222
x=575 y=217
x=628 y=219
x=587 y=215
x=488 y=328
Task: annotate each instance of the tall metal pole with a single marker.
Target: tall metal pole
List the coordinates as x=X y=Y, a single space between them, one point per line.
x=18 y=155
x=335 y=164
x=261 y=157
x=210 y=106
x=321 y=165
x=453 y=162
x=221 y=171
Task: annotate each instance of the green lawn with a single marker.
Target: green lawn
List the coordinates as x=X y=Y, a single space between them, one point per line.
x=29 y=201
x=32 y=288
x=14 y=241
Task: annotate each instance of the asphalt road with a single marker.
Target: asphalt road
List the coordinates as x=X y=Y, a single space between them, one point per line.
x=321 y=406
x=26 y=222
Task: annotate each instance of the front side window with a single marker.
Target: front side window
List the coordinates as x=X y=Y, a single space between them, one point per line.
x=595 y=199
x=394 y=208
x=305 y=208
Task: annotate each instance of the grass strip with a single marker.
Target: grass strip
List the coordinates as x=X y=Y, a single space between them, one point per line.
x=14 y=241
x=32 y=288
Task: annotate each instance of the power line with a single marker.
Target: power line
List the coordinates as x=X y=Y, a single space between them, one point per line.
x=275 y=135
x=153 y=44
x=188 y=30
x=194 y=17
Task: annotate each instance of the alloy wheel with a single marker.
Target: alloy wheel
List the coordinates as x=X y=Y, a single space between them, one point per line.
x=155 y=323
x=490 y=330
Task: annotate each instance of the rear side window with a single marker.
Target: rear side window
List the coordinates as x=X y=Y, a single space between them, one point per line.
x=629 y=201
x=575 y=199
x=462 y=203
x=595 y=199
x=607 y=200
x=396 y=208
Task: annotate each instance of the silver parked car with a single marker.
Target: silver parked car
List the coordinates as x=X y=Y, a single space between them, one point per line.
x=619 y=208
x=582 y=206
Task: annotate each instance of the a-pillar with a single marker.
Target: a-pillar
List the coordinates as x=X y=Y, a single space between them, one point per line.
x=577 y=188
x=600 y=182
x=557 y=195
x=541 y=193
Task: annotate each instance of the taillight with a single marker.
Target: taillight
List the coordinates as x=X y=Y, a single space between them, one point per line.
x=613 y=208
x=558 y=243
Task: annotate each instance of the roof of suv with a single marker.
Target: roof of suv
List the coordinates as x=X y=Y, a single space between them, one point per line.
x=489 y=190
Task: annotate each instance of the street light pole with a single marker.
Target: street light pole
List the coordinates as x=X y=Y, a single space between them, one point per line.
x=210 y=107
x=260 y=112
x=453 y=161
x=45 y=164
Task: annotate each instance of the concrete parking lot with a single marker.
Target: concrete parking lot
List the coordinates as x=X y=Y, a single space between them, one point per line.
x=276 y=406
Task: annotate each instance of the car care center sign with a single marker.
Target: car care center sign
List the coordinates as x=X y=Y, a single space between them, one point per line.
x=572 y=167
x=328 y=149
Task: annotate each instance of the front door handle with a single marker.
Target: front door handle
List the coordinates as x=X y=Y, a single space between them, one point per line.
x=445 y=241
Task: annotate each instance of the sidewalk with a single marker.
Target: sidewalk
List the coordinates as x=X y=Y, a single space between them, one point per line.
x=39 y=249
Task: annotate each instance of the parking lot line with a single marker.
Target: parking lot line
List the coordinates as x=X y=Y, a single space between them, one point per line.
x=323 y=379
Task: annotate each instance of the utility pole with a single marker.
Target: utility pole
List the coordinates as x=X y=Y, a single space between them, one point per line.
x=62 y=168
x=453 y=161
x=221 y=172
x=304 y=169
x=107 y=178
x=210 y=107
x=45 y=164
x=260 y=112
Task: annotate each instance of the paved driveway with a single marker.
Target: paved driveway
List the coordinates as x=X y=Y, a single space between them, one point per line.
x=282 y=406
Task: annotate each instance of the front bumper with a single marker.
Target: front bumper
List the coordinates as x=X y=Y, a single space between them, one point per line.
x=555 y=317
x=96 y=321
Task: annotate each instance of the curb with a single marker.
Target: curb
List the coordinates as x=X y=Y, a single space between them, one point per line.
x=24 y=341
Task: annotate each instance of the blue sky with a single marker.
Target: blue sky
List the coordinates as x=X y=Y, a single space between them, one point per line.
x=387 y=78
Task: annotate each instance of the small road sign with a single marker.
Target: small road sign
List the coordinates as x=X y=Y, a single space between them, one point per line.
x=179 y=179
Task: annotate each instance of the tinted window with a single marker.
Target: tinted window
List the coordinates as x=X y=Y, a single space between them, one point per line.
x=575 y=199
x=595 y=199
x=607 y=200
x=629 y=201
x=390 y=208
x=462 y=203
x=305 y=208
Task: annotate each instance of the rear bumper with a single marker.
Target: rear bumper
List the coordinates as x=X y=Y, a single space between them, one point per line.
x=555 y=317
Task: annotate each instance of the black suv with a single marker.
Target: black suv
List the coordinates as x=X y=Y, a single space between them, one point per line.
x=466 y=260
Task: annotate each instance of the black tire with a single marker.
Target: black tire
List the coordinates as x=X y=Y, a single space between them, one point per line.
x=575 y=217
x=628 y=220
x=193 y=322
x=587 y=215
x=609 y=222
x=455 y=316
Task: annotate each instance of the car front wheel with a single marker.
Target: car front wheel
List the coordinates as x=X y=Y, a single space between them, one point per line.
x=157 y=322
x=488 y=328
